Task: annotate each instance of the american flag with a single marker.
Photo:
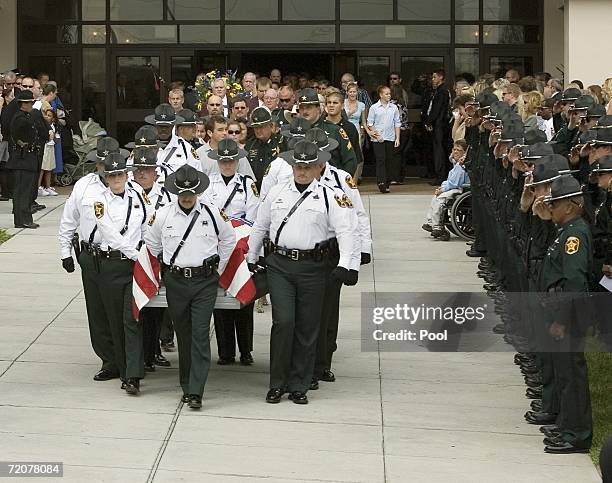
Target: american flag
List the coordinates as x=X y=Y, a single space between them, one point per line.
x=235 y=278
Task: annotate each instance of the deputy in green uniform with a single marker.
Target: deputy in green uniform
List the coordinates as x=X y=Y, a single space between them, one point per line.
x=343 y=156
x=265 y=146
x=564 y=283
x=193 y=239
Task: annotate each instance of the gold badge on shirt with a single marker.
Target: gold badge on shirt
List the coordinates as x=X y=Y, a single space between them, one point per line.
x=572 y=244
x=195 y=154
x=99 y=209
x=152 y=220
x=223 y=215
x=254 y=188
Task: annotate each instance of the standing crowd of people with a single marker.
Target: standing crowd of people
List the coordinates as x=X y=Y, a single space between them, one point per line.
x=538 y=158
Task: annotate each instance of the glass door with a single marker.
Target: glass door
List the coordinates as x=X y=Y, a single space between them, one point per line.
x=525 y=61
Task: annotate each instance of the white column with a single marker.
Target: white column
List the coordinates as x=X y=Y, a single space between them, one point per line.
x=8 y=34
x=587 y=31
x=553 y=38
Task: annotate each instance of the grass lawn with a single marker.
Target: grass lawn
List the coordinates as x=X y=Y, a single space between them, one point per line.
x=3 y=236
x=600 y=381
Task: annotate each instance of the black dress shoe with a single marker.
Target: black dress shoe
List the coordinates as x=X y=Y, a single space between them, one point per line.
x=491 y=287
x=105 y=375
x=383 y=188
x=298 y=397
x=566 y=448
x=274 y=396
x=534 y=393
x=327 y=376
x=536 y=405
x=149 y=367
x=31 y=226
x=553 y=440
x=132 y=386
x=534 y=417
x=160 y=360
x=37 y=207
x=225 y=361
x=533 y=381
x=499 y=329
x=314 y=385
x=246 y=359
x=427 y=227
x=185 y=398
x=167 y=345
x=195 y=402
x=475 y=253
x=550 y=430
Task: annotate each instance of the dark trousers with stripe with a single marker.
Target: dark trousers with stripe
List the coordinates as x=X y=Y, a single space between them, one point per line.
x=151 y=319
x=191 y=302
x=232 y=325
x=297 y=289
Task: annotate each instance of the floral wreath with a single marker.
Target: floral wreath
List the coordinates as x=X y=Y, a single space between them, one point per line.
x=203 y=86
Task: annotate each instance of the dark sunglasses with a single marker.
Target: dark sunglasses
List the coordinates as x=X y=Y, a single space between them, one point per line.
x=238 y=108
x=215 y=105
x=284 y=100
x=394 y=78
x=234 y=132
x=27 y=87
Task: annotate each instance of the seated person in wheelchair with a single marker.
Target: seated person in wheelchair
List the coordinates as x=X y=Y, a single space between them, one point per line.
x=452 y=186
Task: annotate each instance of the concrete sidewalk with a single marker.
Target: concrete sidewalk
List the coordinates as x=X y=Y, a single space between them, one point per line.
x=397 y=417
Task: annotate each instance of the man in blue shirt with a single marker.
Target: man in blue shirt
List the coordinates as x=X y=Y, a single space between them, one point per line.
x=457 y=177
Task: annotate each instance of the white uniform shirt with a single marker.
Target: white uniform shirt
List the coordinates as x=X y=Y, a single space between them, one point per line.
x=338 y=178
x=245 y=201
x=157 y=197
x=204 y=241
x=310 y=224
x=279 y=172
x=100 y=216
x=176 y=153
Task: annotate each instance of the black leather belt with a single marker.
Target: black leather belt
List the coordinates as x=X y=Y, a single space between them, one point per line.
x=206 y=270
x=315 y=254
x=103 y=254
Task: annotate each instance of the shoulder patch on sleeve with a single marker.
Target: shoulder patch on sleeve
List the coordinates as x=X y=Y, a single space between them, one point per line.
x=572 y=244
x=349 y=181
x=343 y=201
x=99 y=209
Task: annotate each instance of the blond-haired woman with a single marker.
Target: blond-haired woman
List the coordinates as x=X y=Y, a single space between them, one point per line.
x=530 y=103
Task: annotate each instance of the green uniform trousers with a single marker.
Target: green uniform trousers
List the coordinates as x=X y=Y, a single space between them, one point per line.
x=191 y=302
x=116 y=337
x=328 y=332
x=297 y=289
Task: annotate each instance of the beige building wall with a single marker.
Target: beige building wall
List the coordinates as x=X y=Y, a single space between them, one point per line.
x=8 y=34
x=587 y=28
x=554 y=38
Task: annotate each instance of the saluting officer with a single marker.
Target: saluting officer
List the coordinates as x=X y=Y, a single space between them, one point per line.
x=344 y=156
x=154 y=195
x=110 y=218
x=265 y=146
x=193 y=239
x=235 y=195
x=299 y=216
x=24 y=160
x=565 y=279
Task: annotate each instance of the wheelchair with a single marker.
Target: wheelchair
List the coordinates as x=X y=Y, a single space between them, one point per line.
x=457 y=217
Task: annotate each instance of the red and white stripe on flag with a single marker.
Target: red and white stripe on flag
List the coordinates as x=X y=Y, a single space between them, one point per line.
x=146 y=280
x=236 y=277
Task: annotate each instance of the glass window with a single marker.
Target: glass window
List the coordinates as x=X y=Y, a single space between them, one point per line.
x=467 y=60
x=180 y=70
x=94 y=34
x=136 y=10
x=467 y=34
x=499 y=65
x=194 y=9
x=50 y=34
x=60 y=10
x=466 y=10
x=60 y=70
x=251 y=10
x=292 y=34
x=423 y=10
x=417 y=68
x=366 y=9
x=138 y=83
x=93 y=9
x=143 y=34
x=511 y=9
x=373 y=71
x=126 y=131
x=311 y=10
x=378 y=34
x=510 y=34
x=93 y=100
x=200 y=34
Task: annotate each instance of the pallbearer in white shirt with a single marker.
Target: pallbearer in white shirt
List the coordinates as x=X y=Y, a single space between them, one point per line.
x=236 y=195
x=193 y=240
x=110 y=219
x=298 y=216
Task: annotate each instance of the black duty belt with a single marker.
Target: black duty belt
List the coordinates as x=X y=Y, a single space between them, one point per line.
x=109 y=254
x=206 y=270
x=320 y=251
